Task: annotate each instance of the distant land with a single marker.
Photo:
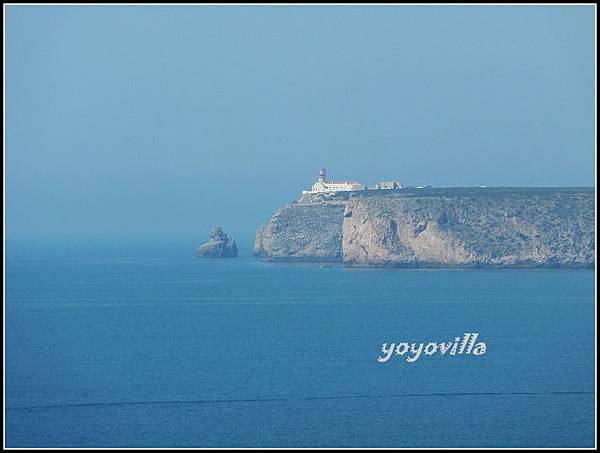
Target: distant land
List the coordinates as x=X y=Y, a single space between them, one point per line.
x=436 y=227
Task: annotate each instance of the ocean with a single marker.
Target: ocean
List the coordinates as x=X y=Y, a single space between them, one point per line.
x=120 y=348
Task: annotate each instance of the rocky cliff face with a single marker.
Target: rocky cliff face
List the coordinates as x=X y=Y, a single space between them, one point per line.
x=471 y=227
x=309 y=230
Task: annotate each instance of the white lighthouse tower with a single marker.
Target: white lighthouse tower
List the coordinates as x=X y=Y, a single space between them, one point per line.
x=322 y=175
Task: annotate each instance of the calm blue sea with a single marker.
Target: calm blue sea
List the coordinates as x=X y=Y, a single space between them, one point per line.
x=120 y=348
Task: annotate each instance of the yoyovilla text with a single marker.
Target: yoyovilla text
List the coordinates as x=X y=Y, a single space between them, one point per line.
x=411 y=352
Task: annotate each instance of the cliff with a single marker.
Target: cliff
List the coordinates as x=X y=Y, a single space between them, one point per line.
x=308 y=230
x=464 y=227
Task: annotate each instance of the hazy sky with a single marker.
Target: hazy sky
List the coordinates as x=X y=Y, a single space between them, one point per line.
x=163 y=121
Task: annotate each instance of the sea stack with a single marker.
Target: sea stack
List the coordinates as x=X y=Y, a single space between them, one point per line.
x=218 y=245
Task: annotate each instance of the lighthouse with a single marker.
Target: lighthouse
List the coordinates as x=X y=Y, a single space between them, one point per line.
x=322 y=175
x=323 y=186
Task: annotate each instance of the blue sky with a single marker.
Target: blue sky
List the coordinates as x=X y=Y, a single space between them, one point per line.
x=164 y=121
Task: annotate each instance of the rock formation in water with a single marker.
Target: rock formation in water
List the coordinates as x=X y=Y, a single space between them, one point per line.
x=453 y=227
x=218 y=245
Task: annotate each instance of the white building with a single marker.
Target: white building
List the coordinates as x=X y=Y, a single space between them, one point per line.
x=388 y=185
x=333 y=186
